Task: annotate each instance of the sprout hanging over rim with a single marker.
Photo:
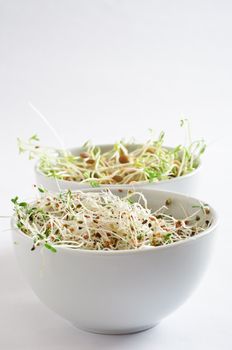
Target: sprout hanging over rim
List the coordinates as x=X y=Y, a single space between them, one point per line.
x=122 y=164
x=104 y=221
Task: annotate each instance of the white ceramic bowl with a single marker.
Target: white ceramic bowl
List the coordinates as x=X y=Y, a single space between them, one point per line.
x=119 y=291
x=184 y=184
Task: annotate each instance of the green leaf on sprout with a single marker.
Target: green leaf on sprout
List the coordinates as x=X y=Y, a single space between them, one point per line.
x=86 y=144
x=203 y=149
x=15 y=200
x=177 y=149
x=183 y=122
x=96 y=151
x=50 y=247
x=167 y=236
x=86 y=174
x=94 y=183
x=21 y=148
x=23 y=204
x=47 y=232
x=131 y=201
x=19 y=225
x=53 y=173
x=151 y=174
x=138 y=163
x=161 y=137
x=41 y=189
x=34 y=138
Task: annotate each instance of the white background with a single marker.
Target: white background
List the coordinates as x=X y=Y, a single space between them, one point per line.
x=104 y=70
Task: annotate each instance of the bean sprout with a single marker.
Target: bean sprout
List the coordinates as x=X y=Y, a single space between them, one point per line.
x=123 y=164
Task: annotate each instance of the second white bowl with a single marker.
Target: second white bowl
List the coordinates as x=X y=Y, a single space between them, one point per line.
x=184 y=184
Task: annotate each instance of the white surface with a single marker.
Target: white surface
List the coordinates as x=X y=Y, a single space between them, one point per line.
x=103 y=70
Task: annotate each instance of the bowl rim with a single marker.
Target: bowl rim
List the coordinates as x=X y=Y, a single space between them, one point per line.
x=138 y=183
x=187 y=241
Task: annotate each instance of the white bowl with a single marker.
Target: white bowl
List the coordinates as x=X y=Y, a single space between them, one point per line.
x=119 y=291
x=184 y=184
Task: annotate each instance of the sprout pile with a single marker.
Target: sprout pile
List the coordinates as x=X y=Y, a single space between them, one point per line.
x=104 y=221
x=123 y=164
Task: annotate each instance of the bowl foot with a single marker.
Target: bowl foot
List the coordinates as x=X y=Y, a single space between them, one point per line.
x=116 y=331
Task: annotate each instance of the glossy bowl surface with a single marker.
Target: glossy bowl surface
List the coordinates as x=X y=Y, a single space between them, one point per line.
x=118 y=292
